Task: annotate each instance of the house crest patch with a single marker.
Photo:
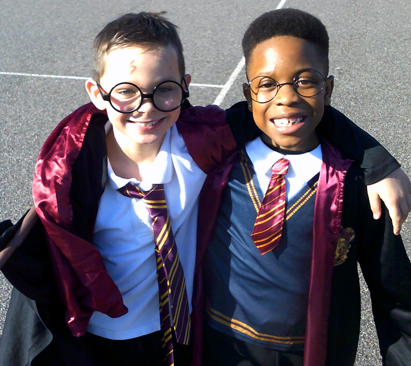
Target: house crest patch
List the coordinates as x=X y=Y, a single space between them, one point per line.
x=347 y=235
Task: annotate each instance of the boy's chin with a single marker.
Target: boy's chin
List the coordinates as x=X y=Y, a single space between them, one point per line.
x=291 y=147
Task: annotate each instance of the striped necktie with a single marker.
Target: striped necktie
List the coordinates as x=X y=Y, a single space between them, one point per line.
x=268 y=226
x=170 y=274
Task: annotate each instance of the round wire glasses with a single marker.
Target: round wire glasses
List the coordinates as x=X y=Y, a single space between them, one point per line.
x=307 y=83
x=128 y=97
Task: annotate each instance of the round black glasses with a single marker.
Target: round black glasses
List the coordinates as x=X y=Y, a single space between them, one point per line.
x=127 y=97
x=307 y=83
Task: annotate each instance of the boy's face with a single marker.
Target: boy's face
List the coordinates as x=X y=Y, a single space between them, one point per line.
x=288 y=121
x=147 y=126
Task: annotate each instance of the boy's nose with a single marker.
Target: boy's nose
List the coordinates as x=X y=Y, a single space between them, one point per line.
x=147 y=105
x=286 y=95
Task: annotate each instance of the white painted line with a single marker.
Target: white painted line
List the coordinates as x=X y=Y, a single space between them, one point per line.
x=235 y=73
x=230 y=82
x=42 y=76
x=206 y=85
x=280 y=5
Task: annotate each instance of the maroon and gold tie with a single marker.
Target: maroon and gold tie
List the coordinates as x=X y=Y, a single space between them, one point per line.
x=170 y=274
x=269 y=222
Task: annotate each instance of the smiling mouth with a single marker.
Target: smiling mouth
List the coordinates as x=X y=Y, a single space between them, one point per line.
x=146 y=124
x=283 y=122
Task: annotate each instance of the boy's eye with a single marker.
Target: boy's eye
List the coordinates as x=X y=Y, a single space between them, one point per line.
x=267 y=84
x=305 y=83
x=124 y=92
x=167 y=88
x=164 y=89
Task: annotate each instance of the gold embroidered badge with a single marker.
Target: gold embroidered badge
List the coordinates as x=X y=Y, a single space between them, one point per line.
x=347 y=235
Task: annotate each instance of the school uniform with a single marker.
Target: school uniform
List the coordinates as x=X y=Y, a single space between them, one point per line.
x=247 y=281
x=304 y=296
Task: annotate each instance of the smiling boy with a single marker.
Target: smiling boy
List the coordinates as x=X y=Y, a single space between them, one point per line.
x=144 y=150
x=136 y=137
x=281 y=280
x=117 y=173
x=287 y=123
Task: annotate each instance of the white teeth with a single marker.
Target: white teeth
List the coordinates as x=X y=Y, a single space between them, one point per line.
x=287 y=121
x=145 y=124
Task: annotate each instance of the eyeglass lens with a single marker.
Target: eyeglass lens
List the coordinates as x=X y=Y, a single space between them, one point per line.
x=307 y=84
x=126 y=97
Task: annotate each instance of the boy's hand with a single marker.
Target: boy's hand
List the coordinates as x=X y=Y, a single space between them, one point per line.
x=395 y=191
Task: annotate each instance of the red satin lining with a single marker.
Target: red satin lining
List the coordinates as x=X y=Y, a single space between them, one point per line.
x=83 y=281
x=327 y=222
x=207 y=135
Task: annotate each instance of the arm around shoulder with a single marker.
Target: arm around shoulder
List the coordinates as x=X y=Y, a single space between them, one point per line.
x=372 y=157
x=395 y=191
x=385 y=180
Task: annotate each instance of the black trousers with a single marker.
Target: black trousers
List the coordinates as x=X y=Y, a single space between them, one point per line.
x=141 y=351
x=222 y=350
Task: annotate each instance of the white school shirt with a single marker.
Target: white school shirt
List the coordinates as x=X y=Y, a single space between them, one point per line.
x=125 y=239
x=301 y=169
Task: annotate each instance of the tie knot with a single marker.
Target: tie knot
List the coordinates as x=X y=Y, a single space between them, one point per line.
x=154 y=194
x=280 y=167
x=132 y=191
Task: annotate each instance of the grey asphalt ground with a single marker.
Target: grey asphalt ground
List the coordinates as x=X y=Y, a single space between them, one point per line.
x=369 y=57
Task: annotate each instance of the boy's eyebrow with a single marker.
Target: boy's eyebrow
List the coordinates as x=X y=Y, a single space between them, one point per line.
x=272 y=70
x=267 y=71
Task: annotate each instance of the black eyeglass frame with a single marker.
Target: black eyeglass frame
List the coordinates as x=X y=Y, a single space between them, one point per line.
x=107 y=97
x=279 y=85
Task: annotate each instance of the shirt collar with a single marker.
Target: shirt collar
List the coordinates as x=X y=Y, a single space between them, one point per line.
x=262 y=156
x=161 y=170
x=302 y=165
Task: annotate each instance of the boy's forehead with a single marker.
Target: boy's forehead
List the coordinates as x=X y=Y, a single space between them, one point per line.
x=284 y=50
x=125 y=62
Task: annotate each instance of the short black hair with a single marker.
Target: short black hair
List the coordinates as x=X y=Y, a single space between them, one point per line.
x=287 y=22
x=150 y=30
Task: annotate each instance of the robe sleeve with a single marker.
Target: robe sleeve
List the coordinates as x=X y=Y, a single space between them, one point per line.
x=373 y=158
x=387 y=271
x=207 y=135
x=29 y=268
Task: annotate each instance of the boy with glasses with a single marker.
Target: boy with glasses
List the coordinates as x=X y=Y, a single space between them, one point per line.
x=281 y=279
x=124 y=174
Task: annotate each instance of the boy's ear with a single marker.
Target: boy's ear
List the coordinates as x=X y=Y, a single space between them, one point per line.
x=187 y=77
x=247 y=94
x=94 y=94
x=329 y=86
